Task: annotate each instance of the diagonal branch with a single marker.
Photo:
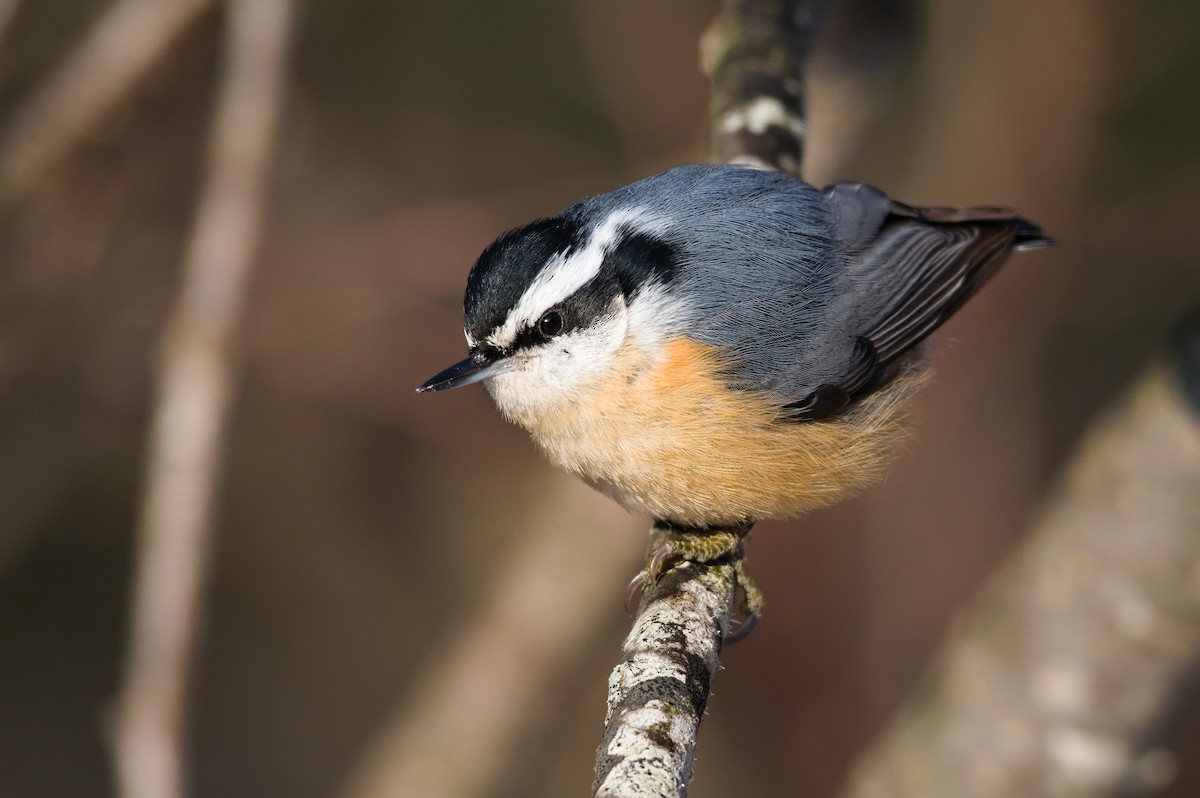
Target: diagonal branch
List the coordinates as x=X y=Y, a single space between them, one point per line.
x=658 y=693
x=472 y=704
x=8 y=10
x=187 y=432
x=118 y=52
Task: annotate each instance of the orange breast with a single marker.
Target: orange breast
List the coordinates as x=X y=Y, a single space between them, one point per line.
x=666 y=435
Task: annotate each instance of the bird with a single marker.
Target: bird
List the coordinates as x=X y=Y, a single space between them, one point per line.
x=715 y=344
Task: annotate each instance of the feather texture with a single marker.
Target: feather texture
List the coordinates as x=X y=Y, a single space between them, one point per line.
x=699 y=314
x=909 y=269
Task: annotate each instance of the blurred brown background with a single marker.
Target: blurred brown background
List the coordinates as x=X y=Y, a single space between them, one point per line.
x=362 y=525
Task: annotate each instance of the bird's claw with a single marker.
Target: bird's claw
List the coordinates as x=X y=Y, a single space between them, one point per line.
x=669 y=545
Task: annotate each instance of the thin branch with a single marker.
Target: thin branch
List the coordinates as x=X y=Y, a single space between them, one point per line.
x=754 y=52
x=117 y=54
x=657 y=695
x=1055 y=677
x=186 y=440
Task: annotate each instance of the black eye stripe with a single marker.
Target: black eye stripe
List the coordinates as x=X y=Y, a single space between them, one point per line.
x=580 y=310
x=636 y=260
x=641 y=258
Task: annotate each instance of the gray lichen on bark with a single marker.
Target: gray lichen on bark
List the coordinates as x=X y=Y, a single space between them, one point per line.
x=657 y=694
x=755 y=53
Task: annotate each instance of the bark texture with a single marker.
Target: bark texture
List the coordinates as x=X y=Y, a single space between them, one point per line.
x=755 y=53
x=658 y=693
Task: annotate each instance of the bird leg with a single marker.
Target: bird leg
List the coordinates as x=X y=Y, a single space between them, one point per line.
x=670 y=544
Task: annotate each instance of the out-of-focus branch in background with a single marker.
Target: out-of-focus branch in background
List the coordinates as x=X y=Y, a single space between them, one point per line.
x=118 y=53
x=189 y=419
x=475 y=701
x=8 y=9
x=1056 y=676
x=754 y=53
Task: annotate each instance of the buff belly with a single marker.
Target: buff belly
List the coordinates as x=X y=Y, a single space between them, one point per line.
x=670 y=438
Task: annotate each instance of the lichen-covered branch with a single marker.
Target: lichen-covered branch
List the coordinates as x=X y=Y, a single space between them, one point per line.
x=189 y=417
x=755 y=53
x=1055 y=677
x=657 y=695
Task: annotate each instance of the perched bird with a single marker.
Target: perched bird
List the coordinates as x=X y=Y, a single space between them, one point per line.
x=716 y=345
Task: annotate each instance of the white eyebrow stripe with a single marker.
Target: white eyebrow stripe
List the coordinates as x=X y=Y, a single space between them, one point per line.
x=568 y=271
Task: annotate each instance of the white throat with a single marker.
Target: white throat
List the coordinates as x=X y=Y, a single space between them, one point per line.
x=558 y=374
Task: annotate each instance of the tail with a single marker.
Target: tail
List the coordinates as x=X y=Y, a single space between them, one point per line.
x=1028 y=235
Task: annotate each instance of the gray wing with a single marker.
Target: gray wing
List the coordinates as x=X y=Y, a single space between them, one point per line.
x=909 y=269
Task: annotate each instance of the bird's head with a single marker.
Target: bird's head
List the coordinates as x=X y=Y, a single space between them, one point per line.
x=548 y=307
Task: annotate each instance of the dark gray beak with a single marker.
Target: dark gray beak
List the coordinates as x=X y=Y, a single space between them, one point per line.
x=473 y=369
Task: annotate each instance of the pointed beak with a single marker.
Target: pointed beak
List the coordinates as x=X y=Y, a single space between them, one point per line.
x=473 y=369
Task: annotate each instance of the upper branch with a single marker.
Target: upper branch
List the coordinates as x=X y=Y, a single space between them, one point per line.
x=755 y=53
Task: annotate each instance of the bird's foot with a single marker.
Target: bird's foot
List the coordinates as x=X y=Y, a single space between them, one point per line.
x=670 y=544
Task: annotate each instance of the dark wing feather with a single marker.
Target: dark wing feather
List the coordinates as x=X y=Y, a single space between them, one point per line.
x=910 y=270
x=936 y=269
x=829 y=399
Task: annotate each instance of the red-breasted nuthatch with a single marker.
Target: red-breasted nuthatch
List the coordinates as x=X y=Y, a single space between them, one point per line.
x=718 y=344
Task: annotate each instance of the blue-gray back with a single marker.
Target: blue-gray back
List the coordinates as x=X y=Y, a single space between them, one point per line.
x=758 y=266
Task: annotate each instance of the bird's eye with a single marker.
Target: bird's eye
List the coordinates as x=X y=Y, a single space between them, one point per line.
x=551 y=323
